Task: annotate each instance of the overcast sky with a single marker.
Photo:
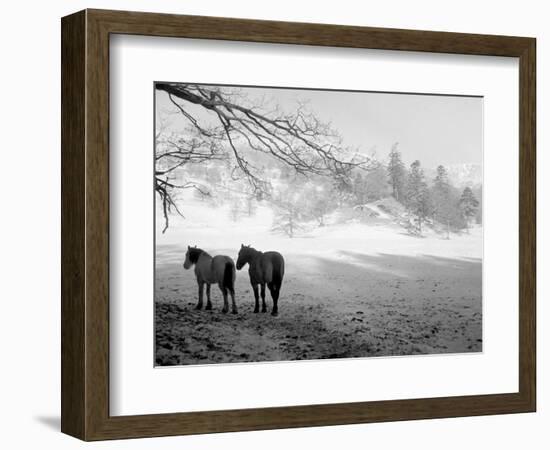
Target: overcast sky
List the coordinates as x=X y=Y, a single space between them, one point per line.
x=434 y=129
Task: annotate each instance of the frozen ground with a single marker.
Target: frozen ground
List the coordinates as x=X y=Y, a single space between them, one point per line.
x=350 y=290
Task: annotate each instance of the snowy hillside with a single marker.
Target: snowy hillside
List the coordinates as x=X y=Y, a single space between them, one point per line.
x=377 y=227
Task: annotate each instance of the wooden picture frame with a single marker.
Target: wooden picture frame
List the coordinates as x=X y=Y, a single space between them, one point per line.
x=85 y=224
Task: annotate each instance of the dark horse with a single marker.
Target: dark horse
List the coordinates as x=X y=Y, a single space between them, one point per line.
x=220 y=269
x=264 y=268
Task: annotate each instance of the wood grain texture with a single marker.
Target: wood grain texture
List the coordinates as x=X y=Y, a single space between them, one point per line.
x=85 y=224
x=73 y=321
x=201 y=27
x=97 y=225
x=527 y=224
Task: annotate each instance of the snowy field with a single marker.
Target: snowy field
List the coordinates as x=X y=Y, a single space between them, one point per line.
x=351 y=289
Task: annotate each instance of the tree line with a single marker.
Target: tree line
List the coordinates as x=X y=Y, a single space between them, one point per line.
x=438 y=201
x=434 y=202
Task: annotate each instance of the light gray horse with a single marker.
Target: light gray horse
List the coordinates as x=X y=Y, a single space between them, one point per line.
x=219 y=269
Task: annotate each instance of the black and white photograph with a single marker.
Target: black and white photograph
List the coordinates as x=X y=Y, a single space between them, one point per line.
x=307 y=224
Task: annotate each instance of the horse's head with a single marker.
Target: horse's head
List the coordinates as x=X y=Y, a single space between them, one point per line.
x=244 y=256
x=191 y=256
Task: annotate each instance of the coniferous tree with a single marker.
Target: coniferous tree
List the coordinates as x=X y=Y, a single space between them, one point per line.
x=468 y=205
x=443 y=206
x=372 y=185
x=478 y=194
x=418 y=195
x=376 y=182
x=396 y=174
x=441 y=180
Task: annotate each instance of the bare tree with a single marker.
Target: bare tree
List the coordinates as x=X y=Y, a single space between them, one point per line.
x=298 y=139
x=287 y=218
x=172 y=153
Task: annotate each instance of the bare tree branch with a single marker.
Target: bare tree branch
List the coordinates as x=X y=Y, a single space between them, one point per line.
x=297 y=140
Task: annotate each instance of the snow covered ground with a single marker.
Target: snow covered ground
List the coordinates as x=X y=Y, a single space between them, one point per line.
x=351 y=289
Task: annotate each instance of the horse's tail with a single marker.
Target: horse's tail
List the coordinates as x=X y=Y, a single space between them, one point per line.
x=229 y=275
x=278 y=272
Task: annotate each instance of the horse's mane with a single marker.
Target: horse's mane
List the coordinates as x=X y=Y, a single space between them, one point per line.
x=194 y=254
x=249 y=250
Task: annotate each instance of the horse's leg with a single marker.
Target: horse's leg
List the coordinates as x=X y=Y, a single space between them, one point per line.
x=275 y=296
x=264 y=306
x=208 y=301
x=201 y=285
x=256 y=298
x=225 y=302
x=233 y=304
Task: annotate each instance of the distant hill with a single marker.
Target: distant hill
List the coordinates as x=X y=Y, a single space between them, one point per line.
x=386 y=211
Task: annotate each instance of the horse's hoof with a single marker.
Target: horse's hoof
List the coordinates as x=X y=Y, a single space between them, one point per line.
x=234 y=312
x=224 y=311
x=256 y=310
x=274 y=313
x=199 y=306
x=208 y=307
x=264 y=310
